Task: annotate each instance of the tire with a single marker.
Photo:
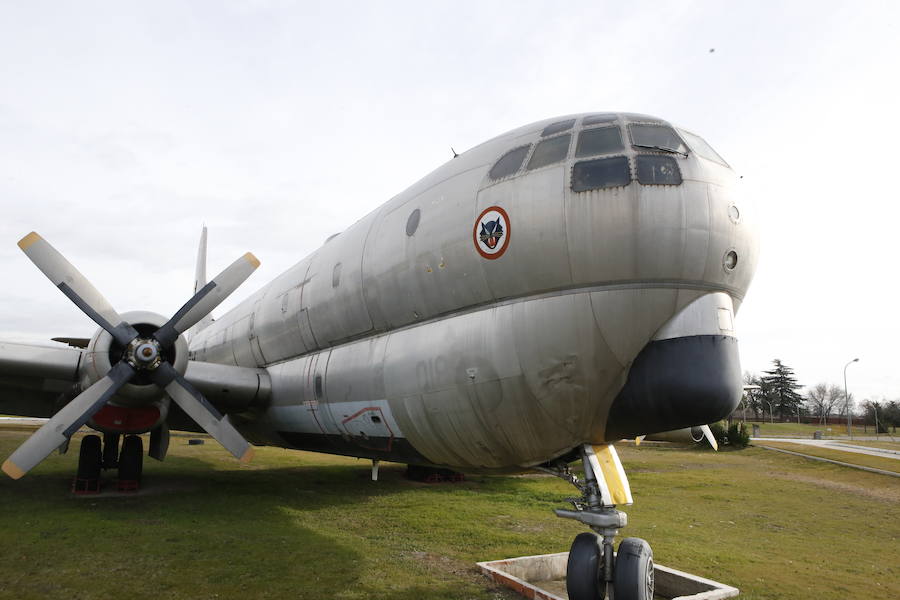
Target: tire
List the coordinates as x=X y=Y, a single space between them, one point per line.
x=110 y=450
x=131 y=459
x=584 y=568
x=633 y=578
x=90 y=458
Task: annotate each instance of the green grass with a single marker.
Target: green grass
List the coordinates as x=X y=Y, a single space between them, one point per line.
x=854 y=458
x=302 y=525
x=806 y=429
x=886 y=445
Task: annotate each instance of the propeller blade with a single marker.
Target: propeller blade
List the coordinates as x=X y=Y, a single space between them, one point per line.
x=57 y=431
x=205 y=414
x=207 y=298
x=708 y=434
x=76 y=286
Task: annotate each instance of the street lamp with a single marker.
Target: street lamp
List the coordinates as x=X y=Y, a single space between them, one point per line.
x=847 y=396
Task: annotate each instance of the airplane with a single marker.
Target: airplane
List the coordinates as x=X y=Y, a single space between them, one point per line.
x=562 y=286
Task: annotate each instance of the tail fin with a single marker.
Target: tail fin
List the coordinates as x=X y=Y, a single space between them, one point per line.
x=200 y=281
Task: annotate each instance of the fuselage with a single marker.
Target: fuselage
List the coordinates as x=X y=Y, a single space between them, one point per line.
x=542 y=290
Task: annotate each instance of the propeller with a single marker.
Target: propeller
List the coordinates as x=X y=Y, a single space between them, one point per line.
x=708 y=434
x=141 y=354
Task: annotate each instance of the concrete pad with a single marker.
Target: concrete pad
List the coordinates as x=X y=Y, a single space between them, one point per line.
x=543 y=577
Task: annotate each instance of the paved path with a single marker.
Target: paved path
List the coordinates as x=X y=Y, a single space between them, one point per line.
x=845 y=446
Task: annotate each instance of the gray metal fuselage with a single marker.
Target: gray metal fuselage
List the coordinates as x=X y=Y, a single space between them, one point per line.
x=399 y=340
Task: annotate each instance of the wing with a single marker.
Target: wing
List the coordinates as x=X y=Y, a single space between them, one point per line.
x=37 y=381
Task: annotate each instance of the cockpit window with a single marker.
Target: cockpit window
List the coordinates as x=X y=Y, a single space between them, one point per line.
x=699 y=145
x=656 y=137
x=602 y=140
x=654 y=169
x=550 y=151
x=600 y=173
x=600 y=118
x=557 y=127
x=509 y=163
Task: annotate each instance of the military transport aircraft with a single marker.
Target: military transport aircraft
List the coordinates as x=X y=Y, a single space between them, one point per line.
x=562 y=286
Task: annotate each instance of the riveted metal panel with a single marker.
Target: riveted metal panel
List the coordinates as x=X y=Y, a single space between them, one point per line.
x=567 y=365
x=660 y=232
x=536 y=257
x=239 y=336
x=602 y=234
x=276 y=325
x=410 y=278
x=338 y=312
x=628 y=318
x=696 y=231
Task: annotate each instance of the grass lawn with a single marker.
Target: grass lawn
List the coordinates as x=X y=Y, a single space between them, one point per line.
x=805 y=430
x=886 y=445
x=301 y=525
x=854 y=458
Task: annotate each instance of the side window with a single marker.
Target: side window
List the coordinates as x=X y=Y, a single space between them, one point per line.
x=700 y=147
x=336 y=275
x=600 y=173
x=509 y=163
x=558 y=127
x=550 y=151
x=602 y=140
x=653 y=169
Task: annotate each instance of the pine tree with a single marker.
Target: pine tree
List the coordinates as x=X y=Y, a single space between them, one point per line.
x=780 y=388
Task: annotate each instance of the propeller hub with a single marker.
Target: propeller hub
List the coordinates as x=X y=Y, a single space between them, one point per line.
x=143 y=354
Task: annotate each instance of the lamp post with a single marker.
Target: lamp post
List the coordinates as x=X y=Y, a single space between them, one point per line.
x=847 y=396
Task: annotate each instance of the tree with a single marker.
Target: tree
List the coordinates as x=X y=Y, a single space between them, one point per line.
x=752 y=398
x=874 y=413
x=843 y=404
x=822 y=398
x=892 y=414
x=780 y=388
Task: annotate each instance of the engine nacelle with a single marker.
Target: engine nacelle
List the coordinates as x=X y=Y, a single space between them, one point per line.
x=687 y=435
x=139 y=405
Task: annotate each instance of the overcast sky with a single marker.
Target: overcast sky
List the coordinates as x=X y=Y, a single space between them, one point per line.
x=125 y=126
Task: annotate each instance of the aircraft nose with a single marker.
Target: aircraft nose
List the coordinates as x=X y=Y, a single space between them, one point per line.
x=676 y=381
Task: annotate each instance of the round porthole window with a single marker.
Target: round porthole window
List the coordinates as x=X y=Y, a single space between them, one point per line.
x=412 y=223
x=734 y=214
x=730 y=261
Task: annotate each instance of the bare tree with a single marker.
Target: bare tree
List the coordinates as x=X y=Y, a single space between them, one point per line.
x=752 y=398
x=817 y=398
x=822 y=398
x=843 y=404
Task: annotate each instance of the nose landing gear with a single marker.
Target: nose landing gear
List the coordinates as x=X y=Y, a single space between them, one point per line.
x=594 y=569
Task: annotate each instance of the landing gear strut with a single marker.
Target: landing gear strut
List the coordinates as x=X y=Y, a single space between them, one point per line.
x=593 y=567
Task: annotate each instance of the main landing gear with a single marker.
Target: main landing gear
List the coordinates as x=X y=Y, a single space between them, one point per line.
x=594 y=570
x=92 y=459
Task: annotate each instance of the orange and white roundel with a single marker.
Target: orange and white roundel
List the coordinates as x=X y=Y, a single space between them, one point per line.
x=491 y=233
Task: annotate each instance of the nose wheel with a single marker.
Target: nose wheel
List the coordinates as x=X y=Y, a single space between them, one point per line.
x=593 y=568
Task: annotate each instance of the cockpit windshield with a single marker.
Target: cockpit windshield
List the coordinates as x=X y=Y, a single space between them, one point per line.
x=700 y=146
x=656 y=137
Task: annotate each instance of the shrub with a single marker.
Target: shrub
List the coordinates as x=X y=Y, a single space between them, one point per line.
x=737 y=435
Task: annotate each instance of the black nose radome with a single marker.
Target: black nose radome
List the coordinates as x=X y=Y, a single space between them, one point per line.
x=675 y=383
